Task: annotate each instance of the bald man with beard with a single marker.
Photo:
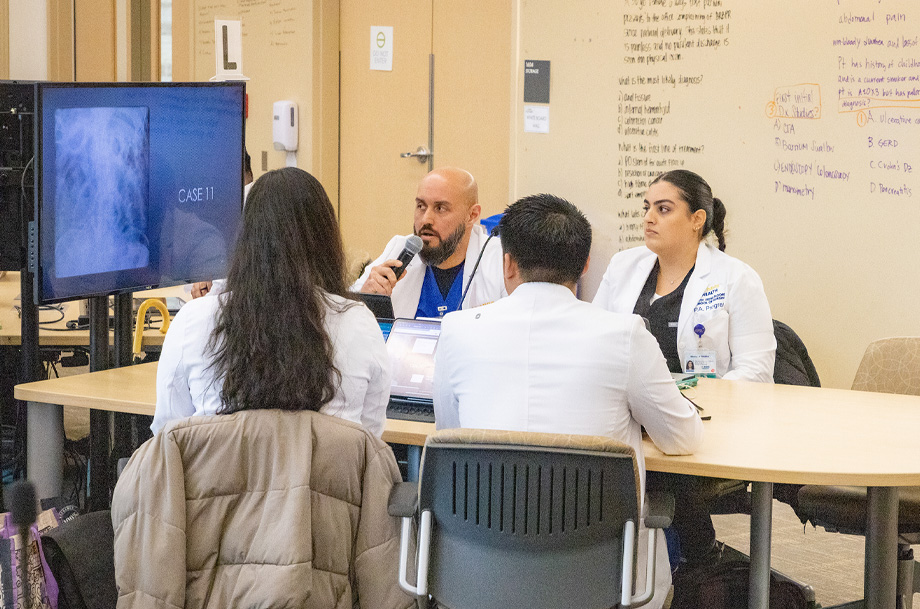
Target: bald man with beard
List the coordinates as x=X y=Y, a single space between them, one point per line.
x=444 y=277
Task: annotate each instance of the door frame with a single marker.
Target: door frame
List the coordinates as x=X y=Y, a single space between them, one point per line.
x=5 y=40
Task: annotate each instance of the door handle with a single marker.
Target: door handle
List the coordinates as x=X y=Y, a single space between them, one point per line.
x=421 y=154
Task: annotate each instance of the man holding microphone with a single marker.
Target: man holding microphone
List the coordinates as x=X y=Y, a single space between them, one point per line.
x=458 y=266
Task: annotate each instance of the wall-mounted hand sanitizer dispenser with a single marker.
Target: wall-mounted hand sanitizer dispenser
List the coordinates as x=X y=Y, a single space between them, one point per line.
x=284 y=125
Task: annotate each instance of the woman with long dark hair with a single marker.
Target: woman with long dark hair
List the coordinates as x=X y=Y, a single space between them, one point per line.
x=284 y=332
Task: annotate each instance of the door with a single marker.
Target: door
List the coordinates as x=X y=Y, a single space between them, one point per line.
x=385 y=114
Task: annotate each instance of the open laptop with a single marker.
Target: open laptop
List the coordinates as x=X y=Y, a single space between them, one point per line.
x=411 y=345
x=386 y=325
x=382 y=308
x=379 y=304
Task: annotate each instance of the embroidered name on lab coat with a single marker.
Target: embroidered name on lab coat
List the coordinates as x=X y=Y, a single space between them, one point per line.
x=712 y=299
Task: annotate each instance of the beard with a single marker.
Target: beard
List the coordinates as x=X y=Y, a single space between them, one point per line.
x=433 y=256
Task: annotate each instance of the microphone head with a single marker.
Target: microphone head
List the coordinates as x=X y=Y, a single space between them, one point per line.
x=21 y=501
x=414 y=244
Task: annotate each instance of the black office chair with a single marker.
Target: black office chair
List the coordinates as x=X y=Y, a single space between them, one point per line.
x=513 y=520
x=890 y=365
x=793 y=366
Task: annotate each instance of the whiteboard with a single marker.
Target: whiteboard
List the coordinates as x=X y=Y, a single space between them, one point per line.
x=804 y=116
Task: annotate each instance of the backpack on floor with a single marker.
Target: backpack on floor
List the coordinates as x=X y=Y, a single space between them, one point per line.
x=725 y=586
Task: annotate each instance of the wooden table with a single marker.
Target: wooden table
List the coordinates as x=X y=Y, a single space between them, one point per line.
x=131 y=390
x=758 y=432
x=56 y=334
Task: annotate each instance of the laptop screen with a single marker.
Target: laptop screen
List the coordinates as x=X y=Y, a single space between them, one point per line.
x=411 y=345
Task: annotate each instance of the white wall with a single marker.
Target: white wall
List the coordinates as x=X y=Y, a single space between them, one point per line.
x=837 y=254
x=28 y=40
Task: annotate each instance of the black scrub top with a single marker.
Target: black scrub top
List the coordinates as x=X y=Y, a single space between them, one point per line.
x=662 y=316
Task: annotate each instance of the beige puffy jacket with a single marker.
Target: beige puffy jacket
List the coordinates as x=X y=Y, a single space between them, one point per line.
x=264 y=508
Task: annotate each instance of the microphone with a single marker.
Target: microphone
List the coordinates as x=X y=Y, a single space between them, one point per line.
x=23 y=513
x=413 y=246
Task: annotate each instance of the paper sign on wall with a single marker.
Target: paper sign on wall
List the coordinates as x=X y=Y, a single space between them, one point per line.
x=381 y=48
x=536 y=81
x=228 y=50
x=536 y=119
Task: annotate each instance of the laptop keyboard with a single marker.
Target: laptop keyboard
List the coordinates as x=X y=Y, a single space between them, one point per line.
x=410 y=411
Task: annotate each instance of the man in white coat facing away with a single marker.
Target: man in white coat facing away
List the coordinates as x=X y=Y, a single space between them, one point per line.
x=458 y=267
x=541 y=360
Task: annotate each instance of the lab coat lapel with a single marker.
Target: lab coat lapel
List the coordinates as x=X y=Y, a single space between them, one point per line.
x=695 y=288
x=477 y=240
x=636 y=281
x=405 y=299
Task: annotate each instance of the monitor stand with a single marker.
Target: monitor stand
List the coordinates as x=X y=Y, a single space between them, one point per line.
x=101 y=422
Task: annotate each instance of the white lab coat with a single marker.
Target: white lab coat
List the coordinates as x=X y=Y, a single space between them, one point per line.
x=541 y=360
x=723 y=293
x=488 y=284
x=187 y=384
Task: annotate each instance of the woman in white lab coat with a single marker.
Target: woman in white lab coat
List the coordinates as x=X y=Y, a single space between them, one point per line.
x=708 y=312
x=703 y=306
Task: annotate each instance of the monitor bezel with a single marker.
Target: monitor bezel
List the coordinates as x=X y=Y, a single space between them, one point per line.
x=41 y=87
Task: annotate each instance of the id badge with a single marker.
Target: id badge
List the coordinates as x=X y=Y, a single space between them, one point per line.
x=701 y=362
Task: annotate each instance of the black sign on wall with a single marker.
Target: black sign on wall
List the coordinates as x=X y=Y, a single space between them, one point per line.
x=536 y=81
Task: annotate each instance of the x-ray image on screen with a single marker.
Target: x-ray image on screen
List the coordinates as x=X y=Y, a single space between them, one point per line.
x=101 y=189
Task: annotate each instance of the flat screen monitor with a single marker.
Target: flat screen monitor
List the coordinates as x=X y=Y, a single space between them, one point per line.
x=140 y=185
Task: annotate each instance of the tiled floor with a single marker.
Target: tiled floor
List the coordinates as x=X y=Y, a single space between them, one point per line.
x=830 y=563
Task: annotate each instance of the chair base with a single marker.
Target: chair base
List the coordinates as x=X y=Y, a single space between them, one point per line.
x=844 y=509
x=908 y=582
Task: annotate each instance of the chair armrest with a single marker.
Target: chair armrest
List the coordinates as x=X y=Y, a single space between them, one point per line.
x=404 y=500
x=659 y=510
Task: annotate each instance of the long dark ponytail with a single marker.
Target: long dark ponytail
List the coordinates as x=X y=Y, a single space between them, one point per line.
x=270 y=344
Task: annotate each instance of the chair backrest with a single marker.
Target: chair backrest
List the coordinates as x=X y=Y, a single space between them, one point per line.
x=890 y=365
x=527 y=520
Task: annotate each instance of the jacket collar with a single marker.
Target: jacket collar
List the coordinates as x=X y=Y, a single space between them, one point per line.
x=703 y=260
x=544 y=289
x=636 y=280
